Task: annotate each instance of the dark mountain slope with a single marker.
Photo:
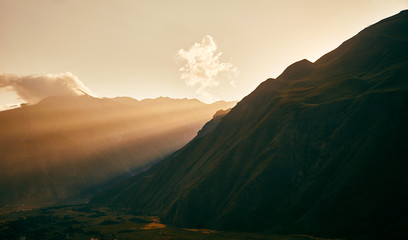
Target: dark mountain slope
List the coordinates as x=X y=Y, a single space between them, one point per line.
x=210 y=125
x=65 y=149
x=320 y=150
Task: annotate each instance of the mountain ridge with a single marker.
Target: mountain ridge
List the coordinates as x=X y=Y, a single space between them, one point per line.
x=65 y=149
x=303 y=153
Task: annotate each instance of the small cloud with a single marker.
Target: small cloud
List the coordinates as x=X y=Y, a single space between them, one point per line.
x=33 y=88
x=203 y=65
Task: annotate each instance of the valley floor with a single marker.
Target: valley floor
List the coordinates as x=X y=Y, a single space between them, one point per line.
x=81 y=222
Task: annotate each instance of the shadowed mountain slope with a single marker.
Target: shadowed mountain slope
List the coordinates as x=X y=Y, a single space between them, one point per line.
x=65 y=149
x=320 y=150
x=210 y=125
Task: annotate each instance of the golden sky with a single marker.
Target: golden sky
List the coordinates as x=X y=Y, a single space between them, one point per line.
x=205 y=49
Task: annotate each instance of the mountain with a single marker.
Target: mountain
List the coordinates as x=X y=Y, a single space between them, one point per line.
x=66 y=149
x=320 y=150
x=210 y=125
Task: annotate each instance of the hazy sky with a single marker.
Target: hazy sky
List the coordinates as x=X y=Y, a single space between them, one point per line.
x=209 y=49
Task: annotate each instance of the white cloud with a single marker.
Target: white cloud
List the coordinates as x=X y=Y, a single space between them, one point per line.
x=33 y=88
x=203 y=65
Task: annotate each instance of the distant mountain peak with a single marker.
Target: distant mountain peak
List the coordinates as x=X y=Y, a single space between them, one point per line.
x=64 y=99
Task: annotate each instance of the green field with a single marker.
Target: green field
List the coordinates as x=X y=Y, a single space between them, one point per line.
x=82 y=222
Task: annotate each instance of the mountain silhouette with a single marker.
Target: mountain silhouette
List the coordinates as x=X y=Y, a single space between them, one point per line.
x=320 y=150
x=210 y=125
x=65 y=149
